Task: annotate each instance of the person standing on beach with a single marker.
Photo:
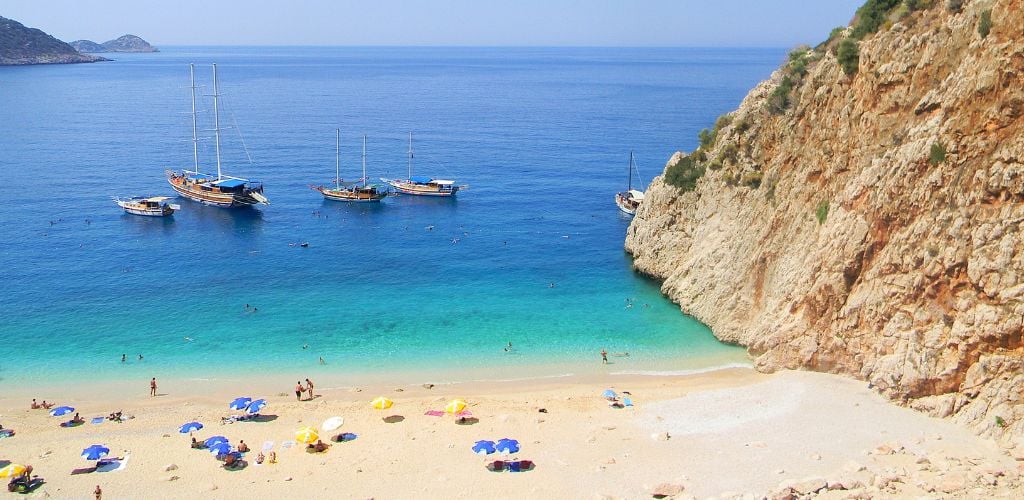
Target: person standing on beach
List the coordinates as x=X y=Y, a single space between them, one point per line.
x=604 y=356
x=309 y=387
x=152 y=387
x=98 y=493
x=298 y=391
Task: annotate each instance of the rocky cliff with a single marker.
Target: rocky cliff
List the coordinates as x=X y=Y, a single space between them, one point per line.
x=22 y=45
x=126 y=43
x=862 y=212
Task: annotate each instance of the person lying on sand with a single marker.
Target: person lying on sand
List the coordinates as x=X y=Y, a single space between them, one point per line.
x=116 y=416
x=47 y=406
x=260 y=458
x=319 y=447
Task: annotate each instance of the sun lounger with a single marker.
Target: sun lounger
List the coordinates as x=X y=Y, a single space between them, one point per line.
x=98 y=420
x=439 y=413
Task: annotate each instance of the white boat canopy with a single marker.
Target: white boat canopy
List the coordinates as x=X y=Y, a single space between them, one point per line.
x=636 y=195
x=442 y=182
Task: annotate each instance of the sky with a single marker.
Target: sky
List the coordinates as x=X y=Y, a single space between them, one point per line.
x=613 y=23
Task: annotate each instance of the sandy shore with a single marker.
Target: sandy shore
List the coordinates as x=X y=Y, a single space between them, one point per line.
x=726 y=432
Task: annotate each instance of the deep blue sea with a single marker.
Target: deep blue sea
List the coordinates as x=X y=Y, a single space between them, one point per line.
x=541 y=135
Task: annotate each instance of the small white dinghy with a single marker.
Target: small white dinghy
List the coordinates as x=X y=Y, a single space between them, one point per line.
x=153 y=206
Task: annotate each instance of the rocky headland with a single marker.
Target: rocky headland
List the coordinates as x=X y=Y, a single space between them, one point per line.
x=20 y=45
x=862 y=211
x=126 y=43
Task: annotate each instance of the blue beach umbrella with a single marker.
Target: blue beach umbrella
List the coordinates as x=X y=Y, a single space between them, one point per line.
x=608 y=393
x=256 y=406
x=95 y=452
x=239 y=403
x=484 y=447
x=190 y=427
x=61 y=411
x=214 y=440
x=220 y=448
x=506 y=446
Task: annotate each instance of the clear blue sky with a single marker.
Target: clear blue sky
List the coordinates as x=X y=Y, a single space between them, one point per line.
x=733 y=23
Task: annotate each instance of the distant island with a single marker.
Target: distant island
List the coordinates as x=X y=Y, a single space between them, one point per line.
x=126 y=43
x=20 y=45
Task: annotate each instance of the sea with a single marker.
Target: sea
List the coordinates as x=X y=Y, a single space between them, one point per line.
x=531 y=253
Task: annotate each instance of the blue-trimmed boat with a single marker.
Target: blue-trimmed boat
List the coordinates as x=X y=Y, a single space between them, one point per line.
x=220 y=190
x=423 y=186
x=629 y=200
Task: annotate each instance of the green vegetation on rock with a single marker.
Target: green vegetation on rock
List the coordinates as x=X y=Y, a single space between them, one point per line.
x=848 y=55
x=985 y=23
x=822 y=211
x=937 y=154
x=684 y=173
x=871 y=16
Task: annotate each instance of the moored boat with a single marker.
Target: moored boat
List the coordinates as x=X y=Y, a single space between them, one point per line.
x=630 y=199
x=357 y=191
x=423 y=186
x=220 y=190
x=152 y=206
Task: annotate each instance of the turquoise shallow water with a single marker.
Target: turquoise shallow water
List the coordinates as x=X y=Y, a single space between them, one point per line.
x=542 y=136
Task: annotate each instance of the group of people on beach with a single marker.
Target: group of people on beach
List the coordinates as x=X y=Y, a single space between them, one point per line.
x=299 y=389
x=41 y=406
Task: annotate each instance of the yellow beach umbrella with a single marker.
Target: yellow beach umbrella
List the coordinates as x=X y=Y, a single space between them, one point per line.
x=382 y=403
x=455 y=406
x=306 y=435
x=12 y=470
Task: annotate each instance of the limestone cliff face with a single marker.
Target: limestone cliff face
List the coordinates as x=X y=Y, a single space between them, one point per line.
x=912 y=276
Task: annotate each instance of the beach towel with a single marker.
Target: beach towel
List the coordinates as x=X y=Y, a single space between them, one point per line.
x=343 y=437
x=440 y=413
x=113 y=465
x=288 y=444
x=98 y=420
x=83 y=470
x=627 y=401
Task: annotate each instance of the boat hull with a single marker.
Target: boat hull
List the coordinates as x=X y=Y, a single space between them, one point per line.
x=194 y=192
x=350 y=196
x=625 y=206
x=421 y=189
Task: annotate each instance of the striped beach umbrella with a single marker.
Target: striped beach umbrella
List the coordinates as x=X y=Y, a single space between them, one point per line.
x=506 y=446
x=255 y=406
x=220 y=448
x=484 y=447
x=214 y=440
x=12 y=470
x=60 y=411
x=382 y=403
x=306 y=435
x=190 y=427
x=455 y=406
x=95 y=452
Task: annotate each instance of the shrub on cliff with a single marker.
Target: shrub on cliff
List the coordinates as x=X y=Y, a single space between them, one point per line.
x=985 y=23
x=848 y=55
x=955 y=6
x=778 y=101
x=937 y=154
x=871 y=16
x=684 y=174
x=821 y=213
x=752 y=179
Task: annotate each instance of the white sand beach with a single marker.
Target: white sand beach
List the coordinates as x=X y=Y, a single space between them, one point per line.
x=726 y=433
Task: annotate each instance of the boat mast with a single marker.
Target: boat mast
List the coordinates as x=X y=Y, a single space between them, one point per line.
x=410 y=155
x=216 y=118
x=364 y=159
x=630 y=186
x=195 y=138
x=337 y=159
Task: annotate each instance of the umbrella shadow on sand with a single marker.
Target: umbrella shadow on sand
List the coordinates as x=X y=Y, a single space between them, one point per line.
x=393 y=419
x=263 y=418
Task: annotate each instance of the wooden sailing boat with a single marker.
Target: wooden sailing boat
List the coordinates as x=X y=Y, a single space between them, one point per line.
x=630 y=200
x=153 y=206
x=423 y=186
x=220 y=190
x=358 y=191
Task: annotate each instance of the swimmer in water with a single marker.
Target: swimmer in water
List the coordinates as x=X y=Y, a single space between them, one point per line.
x=508 y=348
x=188 y=339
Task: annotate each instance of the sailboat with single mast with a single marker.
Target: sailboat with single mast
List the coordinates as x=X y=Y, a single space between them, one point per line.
x=423 y=186
x=630 y=200
x=357 y=191
x=217 y=190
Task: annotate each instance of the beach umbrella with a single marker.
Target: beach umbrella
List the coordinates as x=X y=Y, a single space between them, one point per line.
x=255 y=406
x=214 y=440
x=239 y=403
x=608 y=394
x=332 y=424
x=382 y=403
x=306 y=435
x=455 y=406
x=95 y=452
x=61 y=411
x=506 y=446
x=12 y=470
x=220 y=448
x=484 y=447
x=190 y=427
